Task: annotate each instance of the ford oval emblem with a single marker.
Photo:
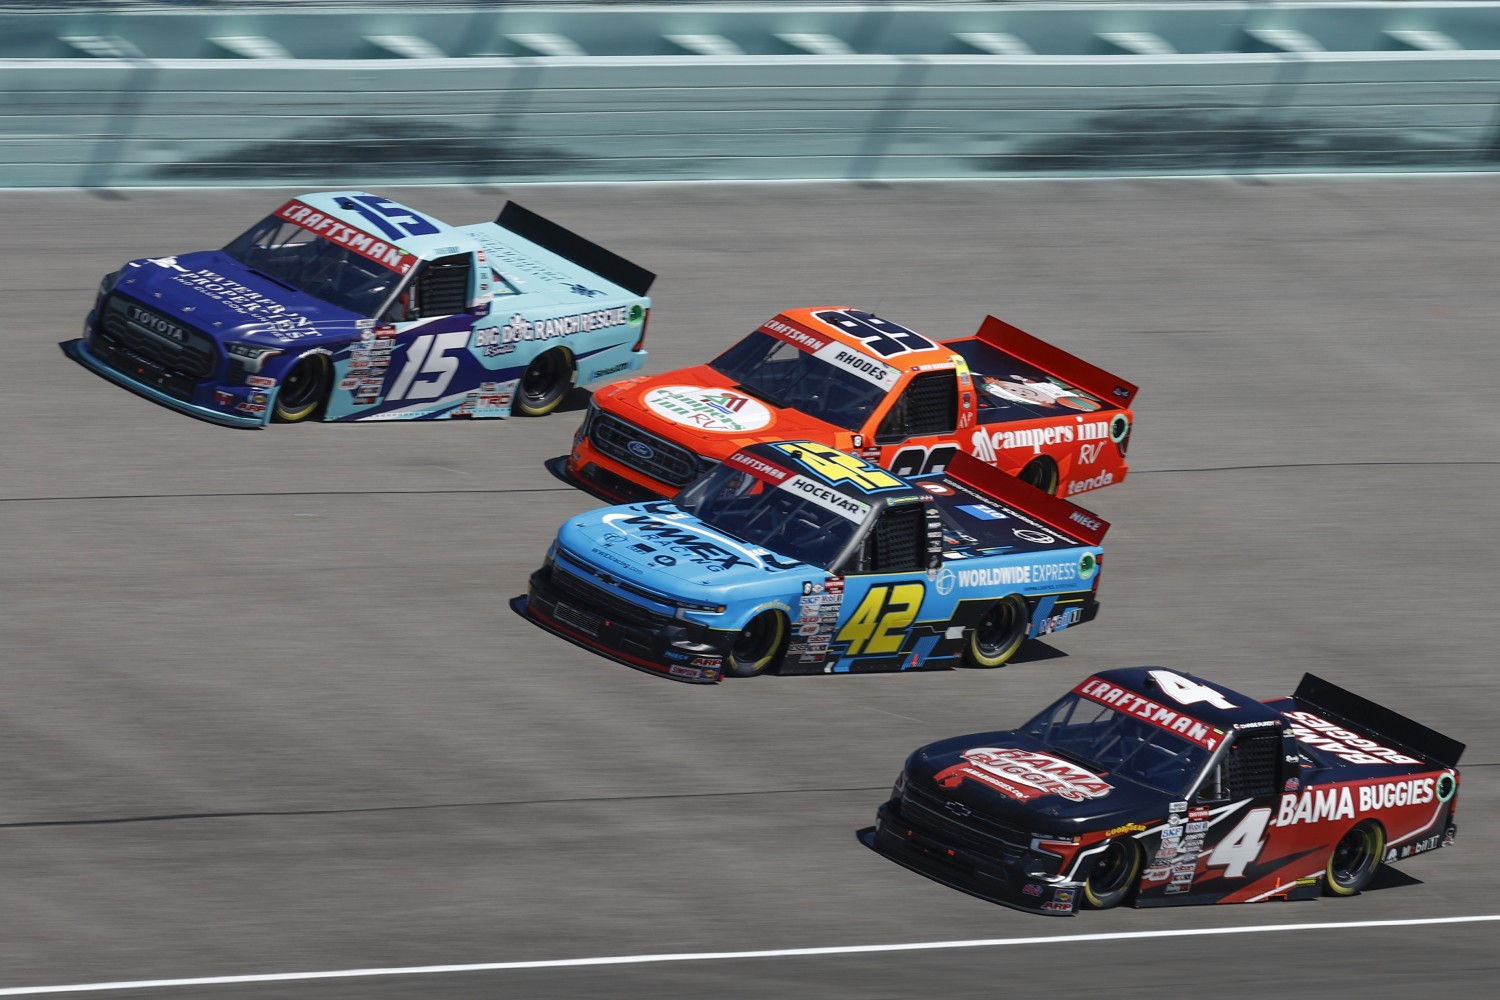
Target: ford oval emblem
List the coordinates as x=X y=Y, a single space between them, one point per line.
x=640 y=449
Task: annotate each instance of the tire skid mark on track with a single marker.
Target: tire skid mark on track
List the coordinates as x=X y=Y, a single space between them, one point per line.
x=731 y=956
x=258 y=813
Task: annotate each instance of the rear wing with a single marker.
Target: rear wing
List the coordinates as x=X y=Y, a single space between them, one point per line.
x=570 y=246
x=1068 y=518
x=1365 y=716
x=1055 y=361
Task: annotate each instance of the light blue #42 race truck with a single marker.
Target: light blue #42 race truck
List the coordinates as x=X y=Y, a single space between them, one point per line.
x=797 y=558
x=346 y=306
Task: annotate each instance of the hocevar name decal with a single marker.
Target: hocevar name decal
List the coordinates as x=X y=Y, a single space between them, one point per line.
x=1024 y=774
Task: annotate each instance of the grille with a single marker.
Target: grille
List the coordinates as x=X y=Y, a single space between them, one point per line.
x=581 y=621
x=900 y=539
x=165 y=342
x=933 y=403
x=925 y=812
x=1253 y=763
x=580 y=592
x=656 y=457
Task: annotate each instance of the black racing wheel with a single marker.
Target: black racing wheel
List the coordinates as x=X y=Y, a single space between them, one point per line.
x=1115 y=873
x=1355 y=857
x=999 y=633
x=1041 y=472
x=757 y=645
x=304 y=389
x=547 y=380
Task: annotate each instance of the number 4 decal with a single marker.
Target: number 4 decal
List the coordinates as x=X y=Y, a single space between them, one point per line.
x=1241 y=845
x=428 y=356
x=1187 y=692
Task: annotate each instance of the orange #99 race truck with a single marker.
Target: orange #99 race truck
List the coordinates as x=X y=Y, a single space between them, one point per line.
x=869 y=387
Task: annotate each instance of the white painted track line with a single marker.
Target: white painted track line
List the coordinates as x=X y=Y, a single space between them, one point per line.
x=730 y=956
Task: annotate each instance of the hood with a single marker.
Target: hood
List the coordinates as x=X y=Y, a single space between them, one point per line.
x=664 y=550
x=214 y=293
x=702 y=409
x=1019 y=781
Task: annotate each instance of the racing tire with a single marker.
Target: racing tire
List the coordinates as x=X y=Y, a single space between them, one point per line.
x=304 y=389
x=999 y=634
x=1041 y=473
x=757 y=646
x=1114 y=876
x=546 y=381
x=1354 y=859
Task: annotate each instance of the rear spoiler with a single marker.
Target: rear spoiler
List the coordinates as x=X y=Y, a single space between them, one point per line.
x=1056 y=361
x=570 y=246
x=1364 y=715
x=1069 y=518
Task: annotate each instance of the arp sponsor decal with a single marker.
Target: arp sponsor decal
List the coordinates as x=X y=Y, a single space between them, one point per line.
x=721 y=410
x=1314 y=731
x=369 y=247
x=1158 y=715
x=1008 y=769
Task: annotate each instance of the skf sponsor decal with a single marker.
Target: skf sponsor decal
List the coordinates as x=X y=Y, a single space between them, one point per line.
x=362 y=243
x=1158 y=715
x=1024 y=774
x=720 y=410
x=1314 y=731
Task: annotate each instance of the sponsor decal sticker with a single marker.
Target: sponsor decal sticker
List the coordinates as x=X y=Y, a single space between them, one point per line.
x=982 y=511
x=1024 y=774
x=720 y=410
x=1158 y=715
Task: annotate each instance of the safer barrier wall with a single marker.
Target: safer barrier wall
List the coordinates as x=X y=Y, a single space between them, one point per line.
x=1273 y=96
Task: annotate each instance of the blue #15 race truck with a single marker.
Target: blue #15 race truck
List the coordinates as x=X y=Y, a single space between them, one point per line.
x=1155 y=787
x=798 y=558
x=348 y=306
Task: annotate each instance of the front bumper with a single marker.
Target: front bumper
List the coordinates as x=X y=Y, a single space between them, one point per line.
x=223 y=413
x=681 y=650
x=601 y=483
x=997 y=881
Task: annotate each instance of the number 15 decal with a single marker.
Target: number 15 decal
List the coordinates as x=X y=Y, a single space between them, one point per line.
x=428 y=356
x=880 y=622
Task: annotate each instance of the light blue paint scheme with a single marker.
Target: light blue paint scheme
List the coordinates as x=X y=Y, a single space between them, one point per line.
x=98 y=99
x=523 y=300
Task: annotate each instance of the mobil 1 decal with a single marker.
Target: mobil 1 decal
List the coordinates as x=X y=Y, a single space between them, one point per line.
x=881 y=336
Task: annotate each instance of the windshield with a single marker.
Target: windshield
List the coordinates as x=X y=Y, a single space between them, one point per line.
x=787 y=376
x=760 y=513
x=305 y=261
x=1118 y=743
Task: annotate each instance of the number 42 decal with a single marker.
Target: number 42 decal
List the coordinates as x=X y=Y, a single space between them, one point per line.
x=880 y=622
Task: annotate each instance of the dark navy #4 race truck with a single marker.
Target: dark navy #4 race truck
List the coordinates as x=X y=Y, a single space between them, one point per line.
x=1155 y=787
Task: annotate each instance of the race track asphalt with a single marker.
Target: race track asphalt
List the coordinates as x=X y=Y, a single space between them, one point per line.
x=266 y=709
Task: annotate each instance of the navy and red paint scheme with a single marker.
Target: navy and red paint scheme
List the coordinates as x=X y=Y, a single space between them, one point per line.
x=1155 y=787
